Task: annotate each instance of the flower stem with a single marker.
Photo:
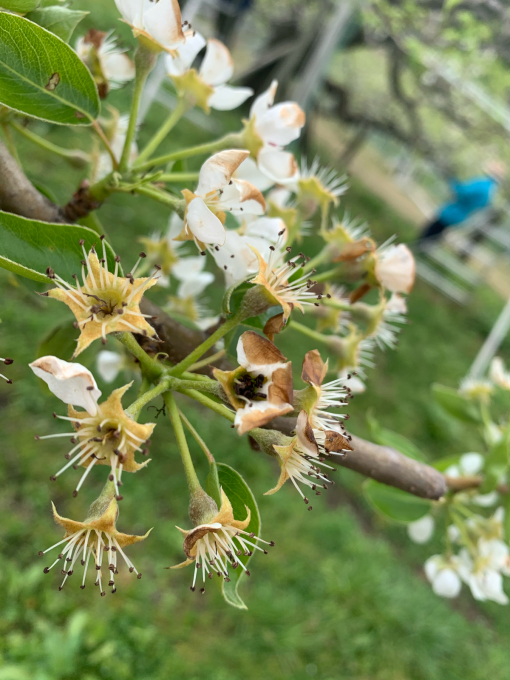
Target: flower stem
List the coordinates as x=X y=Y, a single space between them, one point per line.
x=208 y=360
x=178 y=177
x=232 y=140
x=163 y=197
x=207 y=344
x=151 y=368
x=212 y=386
x=337 y=304
x=330 y=274
x=173 y=412
x=197 y=437
x=151 y=394
x=69 y=154
x=144 y=62
x=221 y=409
x=320 y=258
x=165 y=128
x=104 y=139
x=315 y=335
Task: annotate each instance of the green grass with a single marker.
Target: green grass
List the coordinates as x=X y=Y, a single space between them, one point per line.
x=341 y=596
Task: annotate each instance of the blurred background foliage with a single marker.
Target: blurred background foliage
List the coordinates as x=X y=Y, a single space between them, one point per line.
x=342 y=595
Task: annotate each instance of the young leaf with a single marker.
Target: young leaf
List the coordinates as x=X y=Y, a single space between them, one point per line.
x=28 y=247
x=456 y=405
x=19 y=6
x=241 y=497
x=40 y=75
x=444 y=463
x=60 y=21
x=395 y=504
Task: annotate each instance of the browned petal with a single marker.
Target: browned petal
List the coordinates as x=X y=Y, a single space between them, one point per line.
x=314 y=369
x=351 y=251
x=257 y=417
x=280 y=389
x=359 y=292
x=335 y=442
x=260 y=350
x=195 y=535
x=274 y=326
x=94 y=37
x=305 y=434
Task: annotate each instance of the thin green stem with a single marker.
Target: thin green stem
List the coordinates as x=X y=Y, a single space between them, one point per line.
x=144 y=62
x=10 y=144
x=309 y=332
x=215 y=406
x=209 y=342
x=336 y=304
x=151 y=394
x=197 y=437
x=159 y=136
x=212 y=387
x=69 y=154
x=319 y=259
x=173 y=412
x=330 y=274
x=208 y=360
x=151 y=368
x=106 y=143
x=178 y=177
x=232 y=140
x=173 y=202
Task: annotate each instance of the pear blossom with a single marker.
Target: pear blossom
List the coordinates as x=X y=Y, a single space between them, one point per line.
x=104 y=302
x=356 y=385
x=7 y=362
x=498 y=373
x=385 y=329
x=479 y=389
x=193 y=280
x=95 y=537
x=164 y=249
x=216 y=546
x=443 y=574
x=260 y=389
x=421 y=530
x=216 y=194
x=103 y=434
x=395 y=268
x=469 y=464
x=207 y=86
x=483 y=572
x=156 y=24
x=110 y=66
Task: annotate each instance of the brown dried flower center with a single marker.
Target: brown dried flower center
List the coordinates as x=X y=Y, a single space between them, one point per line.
x=248 y=386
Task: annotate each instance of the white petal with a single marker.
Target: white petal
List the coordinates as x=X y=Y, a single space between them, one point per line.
x=204 y=226
x=175 y=224
x=268 y=228
x=494 y=551
x=355 y=384
x=395 y=269
x=226 y=97
x=280 y=166
x=279 y=196
x=489 y=585
x=235 y=258
x=109 y=364
x=249 y=171
x=421 y=531
x=264 y=101
x=396 y=304
x=163 y=23
x=196 y=285
x=132 y=11
x=217 y=170
x=118 y=67
x=446 y=583
x=486 y=500
x=471 y=463
x=217 y=67
x=242 y=197
x=281 y=124
x=453 y=533
x=498 y=373
x=188 y=267
x=68 y=381
x=432 y=566
x=180 y=61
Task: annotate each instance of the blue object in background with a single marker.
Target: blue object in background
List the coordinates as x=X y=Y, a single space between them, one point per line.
x=470 y=196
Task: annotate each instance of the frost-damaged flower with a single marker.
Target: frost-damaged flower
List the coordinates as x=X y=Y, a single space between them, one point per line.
x=352 y=352
x=104 y=433
x=157 y=23
x=105 y=302
x=216 y=194
x=7 y=362
x=381 y=319
x=261 y=388
x=95 y=537
x=395 y=268
x=300 y=461
x=109 y=65
x=318 y=398
x=443 y=574
x=348 y=239
x=215 y=546
x=498 y=373
x=319 y=186
x=206 y=87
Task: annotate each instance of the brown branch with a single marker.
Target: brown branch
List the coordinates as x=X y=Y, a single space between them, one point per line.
x=19 y=196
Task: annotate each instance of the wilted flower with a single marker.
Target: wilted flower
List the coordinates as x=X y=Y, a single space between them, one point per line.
x=7 y=362
x=216 y=194
x=381 y=319
x=319 y=186
x=352 y=351
x=421 y=530
x=348 y=239
x=96 y=536
x=215 y=546
x=104 y=433
x=261 y=388
x=498 y=373
x=156 y=24
x=395 y=268
x=109 y=65
x=443 y=574
x=206 y=87
x=105 y=302
x=300 y=461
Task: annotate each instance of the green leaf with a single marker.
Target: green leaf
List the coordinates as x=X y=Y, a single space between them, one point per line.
x=240 y=496
x=60 y=341
x=455 y=404
x=19 y=6
x=444 y=463
x=496 y=463
x=395 y=504
x=29 y=247
x=395 y=440
x=40 y=75
x=60 y=21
